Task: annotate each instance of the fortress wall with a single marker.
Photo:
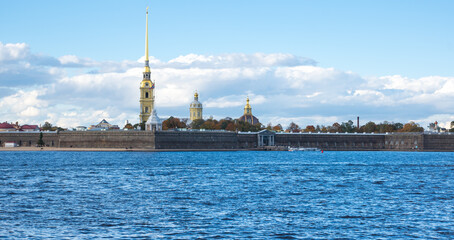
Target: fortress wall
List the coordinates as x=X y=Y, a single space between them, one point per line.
x=195 y=140
x=438 y=142
x=332 y=142
x=246 y=141
x=232 y=140
x=107 y=139
x=404 y=141
x=28 y=139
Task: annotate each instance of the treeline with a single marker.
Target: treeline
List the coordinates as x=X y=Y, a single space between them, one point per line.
x=230 y=124
x=350 y=127
x=226 y=124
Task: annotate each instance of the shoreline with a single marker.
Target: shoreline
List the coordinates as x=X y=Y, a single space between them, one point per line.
x=55 y=149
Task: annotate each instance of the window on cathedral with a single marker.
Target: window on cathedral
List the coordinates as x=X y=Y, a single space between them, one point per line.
x=198 y=114
x=146 y=84
x=146 y=109
x=146 y=94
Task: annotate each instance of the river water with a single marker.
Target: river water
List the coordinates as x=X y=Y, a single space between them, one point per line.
x=227 y=195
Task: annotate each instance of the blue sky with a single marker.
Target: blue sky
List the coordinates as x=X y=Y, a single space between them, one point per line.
x=405 y=45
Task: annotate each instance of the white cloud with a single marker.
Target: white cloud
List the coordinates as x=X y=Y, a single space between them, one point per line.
x=71 y=90
x=13 y=51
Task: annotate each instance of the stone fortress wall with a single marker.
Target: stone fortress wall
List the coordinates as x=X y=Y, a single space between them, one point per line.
x=232 y=141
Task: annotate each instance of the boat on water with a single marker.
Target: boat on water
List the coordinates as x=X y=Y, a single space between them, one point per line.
x=303 y=149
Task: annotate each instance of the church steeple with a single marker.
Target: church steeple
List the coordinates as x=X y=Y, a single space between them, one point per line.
x=146 y=86
x=147 y=61
x=247 y=108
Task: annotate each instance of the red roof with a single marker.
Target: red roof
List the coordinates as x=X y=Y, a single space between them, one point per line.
x=29 y=127
x=6 y=125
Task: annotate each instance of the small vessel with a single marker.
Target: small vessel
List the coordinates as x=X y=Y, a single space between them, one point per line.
x=291 y=149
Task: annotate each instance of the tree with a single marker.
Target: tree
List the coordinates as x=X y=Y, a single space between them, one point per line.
x=324 y=130
x=197 y=123
x=309 y=128
x=370 y=127
x=208 y=124
x=385 y=127
x=128 y=126
x=278 y=128
x=412 y=127
x=230 y=127
x=172 y=123
x=269 y=127
x=47 y=126
x=335 y=128
x=293 y=127
x=347 y=127
x=398 y=126
x=40 y=141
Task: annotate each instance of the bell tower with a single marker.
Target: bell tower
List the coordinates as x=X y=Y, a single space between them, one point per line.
x=146 y=86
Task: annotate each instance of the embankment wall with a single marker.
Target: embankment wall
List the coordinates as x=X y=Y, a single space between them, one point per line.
x=195 y=140
x=232 y=140
x=333 y=142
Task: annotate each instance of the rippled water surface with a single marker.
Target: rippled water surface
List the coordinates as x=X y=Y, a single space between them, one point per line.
x=232 y=195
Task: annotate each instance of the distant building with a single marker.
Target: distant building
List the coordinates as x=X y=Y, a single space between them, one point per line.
x=247 y=116
x=452 y=125
x=195 y=109
x=102 y=126
x=6 y=127
x=81 y=128
x=29 y=128
x=154 y=123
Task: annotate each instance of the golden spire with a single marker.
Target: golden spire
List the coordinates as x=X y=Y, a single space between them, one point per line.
x=196 y=96
x=147 y=66
x=247 y=108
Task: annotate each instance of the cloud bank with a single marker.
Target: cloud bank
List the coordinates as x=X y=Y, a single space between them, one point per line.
x=71 y=90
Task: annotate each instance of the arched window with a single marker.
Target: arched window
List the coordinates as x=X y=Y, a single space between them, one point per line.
x=146 y=109
x=146 y=94
x=198 y=114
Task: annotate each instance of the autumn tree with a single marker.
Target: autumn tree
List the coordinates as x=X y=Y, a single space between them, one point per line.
x=293 y=127
x=172 y=123
x=278 y=128
x=412 y=127
x=336 y=127
x=309 y=128
x=197 y=123
x=128 y=126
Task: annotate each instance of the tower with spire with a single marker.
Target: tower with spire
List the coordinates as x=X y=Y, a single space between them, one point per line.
x=146 y=86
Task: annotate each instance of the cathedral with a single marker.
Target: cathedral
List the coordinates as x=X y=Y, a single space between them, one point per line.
x=147 y=107
x=148 y=115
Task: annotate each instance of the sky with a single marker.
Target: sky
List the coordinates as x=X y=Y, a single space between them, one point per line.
x=310 y=62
